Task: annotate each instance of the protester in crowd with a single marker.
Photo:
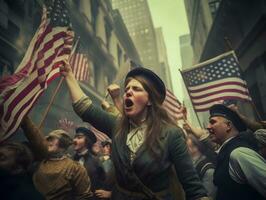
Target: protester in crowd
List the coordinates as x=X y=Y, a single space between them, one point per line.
x=106 y=155
x=204 y=167
x=16 y=184
x=145 y=141
x=108 y=167
x=233 y=182
x=57 y=176
x=83 y=142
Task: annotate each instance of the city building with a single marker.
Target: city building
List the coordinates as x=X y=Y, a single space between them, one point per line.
x=163 y=60
x=200 y=15
x=137 y=18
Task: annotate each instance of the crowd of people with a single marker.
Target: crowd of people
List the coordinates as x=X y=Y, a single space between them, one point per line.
x=148 y=156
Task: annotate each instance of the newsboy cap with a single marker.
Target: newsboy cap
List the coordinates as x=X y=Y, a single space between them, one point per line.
x=223 y=111
x=152 y=78
x=64 y=138
x=87 y=133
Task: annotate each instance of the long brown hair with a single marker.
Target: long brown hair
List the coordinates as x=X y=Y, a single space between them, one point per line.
x=157 y=119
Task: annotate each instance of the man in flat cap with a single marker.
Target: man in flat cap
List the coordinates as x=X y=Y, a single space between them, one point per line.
x=83 y=142
x=232 y=179
x=57 y=176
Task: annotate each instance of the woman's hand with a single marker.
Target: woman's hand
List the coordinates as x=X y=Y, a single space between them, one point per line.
x=66 y=70
x=114 y=91
x=73 y=86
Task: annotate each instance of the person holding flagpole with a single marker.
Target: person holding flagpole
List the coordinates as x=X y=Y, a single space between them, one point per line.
x=146 y=143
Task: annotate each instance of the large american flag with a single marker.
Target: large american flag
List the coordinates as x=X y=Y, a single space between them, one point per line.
x=214 y=81
x=80 y=64
x=173 y=106
x=50 y=45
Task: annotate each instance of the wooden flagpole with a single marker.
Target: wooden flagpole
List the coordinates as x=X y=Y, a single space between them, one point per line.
x=230 y=47
x=56 y=91
x=201 y=125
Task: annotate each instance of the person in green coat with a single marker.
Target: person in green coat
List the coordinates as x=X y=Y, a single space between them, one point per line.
x=146 y=143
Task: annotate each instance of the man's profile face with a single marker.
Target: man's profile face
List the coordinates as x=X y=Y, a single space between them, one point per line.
x=218 y=127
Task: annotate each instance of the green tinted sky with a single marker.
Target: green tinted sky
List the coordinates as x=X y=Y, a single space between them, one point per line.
x=171 y=16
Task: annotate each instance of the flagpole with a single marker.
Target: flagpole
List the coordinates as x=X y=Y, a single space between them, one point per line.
x=230 y=47
x=56 y=90
x=51 y=102
x=191 y=100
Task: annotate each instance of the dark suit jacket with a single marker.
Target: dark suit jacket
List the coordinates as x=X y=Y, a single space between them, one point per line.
x=153 y=172
x=94 y=170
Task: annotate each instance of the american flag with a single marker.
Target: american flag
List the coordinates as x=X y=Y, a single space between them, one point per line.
x=80 y=64
x=173 y=106
x=50 y=45
x=215 y=81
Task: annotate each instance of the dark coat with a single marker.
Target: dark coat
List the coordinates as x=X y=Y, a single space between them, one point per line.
x=94 y=169
x=227 y=188
x=153 y=172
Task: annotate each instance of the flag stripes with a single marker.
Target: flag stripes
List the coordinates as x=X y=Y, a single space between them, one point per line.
x=40 y=65
x=173 y=106
x=80 y=66
x=215 y=80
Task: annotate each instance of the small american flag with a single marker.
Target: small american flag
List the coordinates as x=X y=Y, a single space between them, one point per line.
x=80 y=64
x=215 y=81
x=173 y=106
x=49 y=47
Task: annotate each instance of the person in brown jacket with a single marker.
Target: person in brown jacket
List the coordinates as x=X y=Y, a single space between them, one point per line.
x=57 y=176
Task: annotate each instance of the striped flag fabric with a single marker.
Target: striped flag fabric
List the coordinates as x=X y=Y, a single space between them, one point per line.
x=99 y=135
x=80 y=64
x=49 y=47
x=214 y=81
x=173 y=106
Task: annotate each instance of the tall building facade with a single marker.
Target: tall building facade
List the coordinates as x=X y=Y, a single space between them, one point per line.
x=200 y=15
x=102 y=33
x=163 y=59
x=137 y=17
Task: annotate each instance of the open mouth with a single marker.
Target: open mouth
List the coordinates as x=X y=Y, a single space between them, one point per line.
x=128 y=103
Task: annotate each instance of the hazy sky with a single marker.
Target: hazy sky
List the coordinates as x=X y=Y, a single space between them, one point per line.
x=171 y=16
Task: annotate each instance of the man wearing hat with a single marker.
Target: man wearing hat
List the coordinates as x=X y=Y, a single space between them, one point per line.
x=224 y=127
x=57 y=176
x=83 y=142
